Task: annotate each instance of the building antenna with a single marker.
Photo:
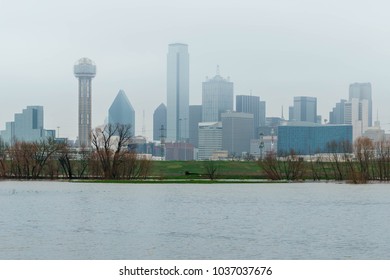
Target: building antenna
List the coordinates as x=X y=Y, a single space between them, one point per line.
x=282 y=113
x=218 y=70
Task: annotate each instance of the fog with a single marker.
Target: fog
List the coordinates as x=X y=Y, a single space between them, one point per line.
x=275 y=49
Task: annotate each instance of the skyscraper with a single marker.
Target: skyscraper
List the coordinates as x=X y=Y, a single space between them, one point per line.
x=121 y=112
x=217 y=98
x=177 y=92
x=305 y=109
x=337 y=114
x=159 y=119
x=362 y=91
x=252 y=104
x=85 y=70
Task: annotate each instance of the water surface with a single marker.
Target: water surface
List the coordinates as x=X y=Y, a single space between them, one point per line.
x=60 y=220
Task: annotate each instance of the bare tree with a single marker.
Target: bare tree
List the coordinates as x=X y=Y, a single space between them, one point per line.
x=211 y=168
x=111 y=146
x=3 y=159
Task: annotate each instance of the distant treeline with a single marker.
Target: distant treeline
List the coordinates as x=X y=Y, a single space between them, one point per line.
x=361 y=162
x=111 y=157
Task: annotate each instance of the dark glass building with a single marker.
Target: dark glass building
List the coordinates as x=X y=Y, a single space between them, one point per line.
x=309 y=139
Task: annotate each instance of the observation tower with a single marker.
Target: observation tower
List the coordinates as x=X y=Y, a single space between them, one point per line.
x=85 y=70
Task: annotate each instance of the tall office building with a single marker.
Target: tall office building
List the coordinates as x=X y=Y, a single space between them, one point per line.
x=85 y=70
x=337 y=114
x=177 y=92
x=159 y=122
x=121 y=112
x=305 y=109
x=27 y=126
x=217 y=98
x=362 y=91
x=210 y=139
x=195 y=119
x=237 y=132
x=252 y=104
x=356 y=114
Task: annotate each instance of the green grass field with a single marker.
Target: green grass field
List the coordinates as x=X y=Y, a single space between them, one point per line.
x=197 y=170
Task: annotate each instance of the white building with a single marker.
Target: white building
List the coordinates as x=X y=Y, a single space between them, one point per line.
x=210 y=139
x=362 y=91
x=177 y=92
x=356 y=114
x=217 y=98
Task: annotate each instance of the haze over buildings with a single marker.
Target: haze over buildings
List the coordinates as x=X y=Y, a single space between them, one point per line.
x=277 y=49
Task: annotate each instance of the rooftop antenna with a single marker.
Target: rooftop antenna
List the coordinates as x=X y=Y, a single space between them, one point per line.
x=282 y=113
x=218 y=70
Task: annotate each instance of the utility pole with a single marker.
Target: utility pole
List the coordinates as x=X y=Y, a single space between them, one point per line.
x=162 y=141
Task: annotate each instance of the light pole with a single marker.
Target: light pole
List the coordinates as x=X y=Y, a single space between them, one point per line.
x=261 y=145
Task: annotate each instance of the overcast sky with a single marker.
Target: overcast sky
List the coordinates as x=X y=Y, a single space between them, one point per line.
x=277 y=49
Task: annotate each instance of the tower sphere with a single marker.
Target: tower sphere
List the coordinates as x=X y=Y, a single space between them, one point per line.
x=85 y=67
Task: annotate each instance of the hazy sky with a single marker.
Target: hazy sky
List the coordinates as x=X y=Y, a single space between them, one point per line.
x=277 y=49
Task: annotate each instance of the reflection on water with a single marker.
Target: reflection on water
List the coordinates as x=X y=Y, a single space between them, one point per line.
x=59 y=220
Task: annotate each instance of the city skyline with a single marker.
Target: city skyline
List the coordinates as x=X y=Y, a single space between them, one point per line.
x=276 y=50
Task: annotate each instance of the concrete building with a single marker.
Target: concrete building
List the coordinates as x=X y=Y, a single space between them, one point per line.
x=179 y=151
x=159 y=122
x=375 y=133
x=253 y=105
x=122 y=112
x=85 y=70
x=195 y=119
x=306 y=138
x=217 y=98
x=27 y=127
x=304 y=109
x=237 y=132
x=177 y=92
x=210 y=139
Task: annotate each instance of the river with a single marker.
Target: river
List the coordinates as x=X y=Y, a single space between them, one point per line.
x=62 y=220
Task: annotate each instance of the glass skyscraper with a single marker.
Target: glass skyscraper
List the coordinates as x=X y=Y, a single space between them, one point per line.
x=121 y=112
x=305 y=109
x=177 y=92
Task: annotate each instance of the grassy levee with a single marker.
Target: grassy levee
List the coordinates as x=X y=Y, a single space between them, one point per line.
x=197 y=170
